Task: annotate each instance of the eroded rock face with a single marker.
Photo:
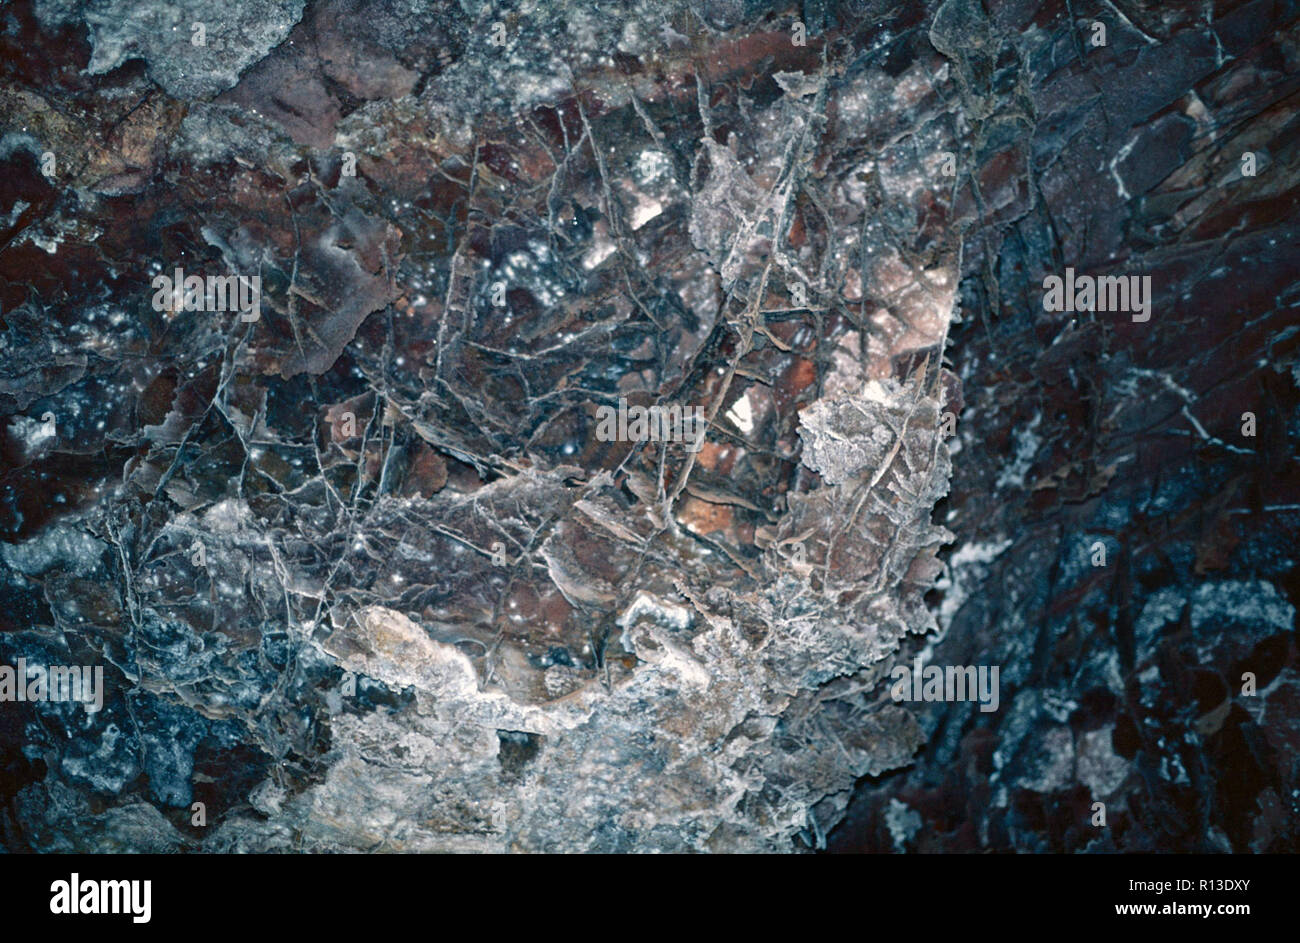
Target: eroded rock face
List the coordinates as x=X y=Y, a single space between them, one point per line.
x=362 y=566
x=1162 y=683
x=157 y=34
x=365 y=573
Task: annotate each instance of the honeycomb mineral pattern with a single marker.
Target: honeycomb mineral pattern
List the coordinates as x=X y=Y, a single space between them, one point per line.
x=553 y=426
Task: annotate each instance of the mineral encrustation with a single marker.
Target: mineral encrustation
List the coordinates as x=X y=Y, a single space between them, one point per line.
x=309 y=312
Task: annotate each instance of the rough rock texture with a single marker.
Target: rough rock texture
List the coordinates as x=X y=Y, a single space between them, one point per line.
x=362 y=573
x=240 y=34
x=1121 y=684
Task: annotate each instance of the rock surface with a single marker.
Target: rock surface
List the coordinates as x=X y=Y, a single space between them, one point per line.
x=362 y=569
